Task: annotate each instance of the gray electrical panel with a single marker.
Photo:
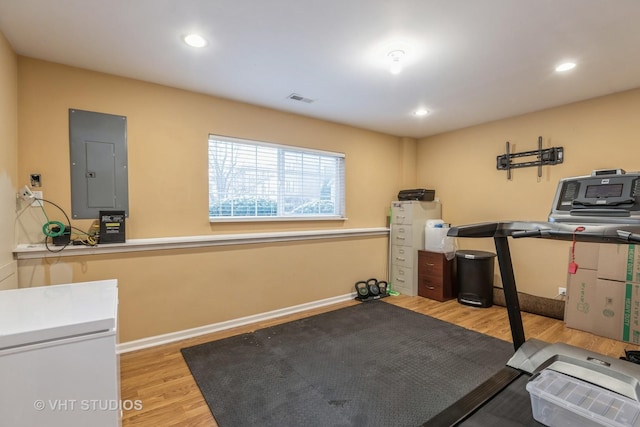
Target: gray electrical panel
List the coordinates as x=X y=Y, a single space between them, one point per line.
x=98 y=149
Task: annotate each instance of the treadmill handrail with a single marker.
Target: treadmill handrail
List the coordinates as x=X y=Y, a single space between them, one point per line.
x=610 y=204
x=591 y=232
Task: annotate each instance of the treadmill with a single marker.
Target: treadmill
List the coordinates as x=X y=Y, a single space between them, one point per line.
x=603 y=207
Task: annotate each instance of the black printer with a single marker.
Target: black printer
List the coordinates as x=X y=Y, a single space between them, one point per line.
x=420 y=194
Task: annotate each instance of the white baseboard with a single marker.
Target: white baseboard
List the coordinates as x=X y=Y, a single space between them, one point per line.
x=216 y=327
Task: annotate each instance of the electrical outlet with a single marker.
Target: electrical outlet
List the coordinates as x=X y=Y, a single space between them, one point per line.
x=25 y=193
x=562 y=291
x=37 y=199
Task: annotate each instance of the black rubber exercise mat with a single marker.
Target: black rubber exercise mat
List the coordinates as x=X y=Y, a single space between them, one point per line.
x=509 y=408
x=372 y=364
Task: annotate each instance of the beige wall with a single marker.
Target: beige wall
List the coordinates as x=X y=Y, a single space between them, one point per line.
x=173 y=290
x=8 y=153
x=596 y=134
x=167 y=148
x=167 y=291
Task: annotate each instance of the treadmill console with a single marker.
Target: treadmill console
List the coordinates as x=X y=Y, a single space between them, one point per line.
x=606 y=196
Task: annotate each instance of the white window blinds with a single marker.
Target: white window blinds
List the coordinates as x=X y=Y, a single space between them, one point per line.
x=258 y=180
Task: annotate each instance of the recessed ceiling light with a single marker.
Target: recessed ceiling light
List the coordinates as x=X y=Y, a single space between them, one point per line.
x=195 y=40
x=566 y=66
x=420 y=112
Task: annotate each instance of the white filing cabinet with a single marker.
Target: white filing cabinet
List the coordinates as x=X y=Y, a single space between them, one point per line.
x=58 y=361
x=408 y=219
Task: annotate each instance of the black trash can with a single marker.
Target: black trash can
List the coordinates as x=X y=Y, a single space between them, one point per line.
x=474 y=273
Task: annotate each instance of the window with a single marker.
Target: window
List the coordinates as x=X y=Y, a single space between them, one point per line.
x=258 y=180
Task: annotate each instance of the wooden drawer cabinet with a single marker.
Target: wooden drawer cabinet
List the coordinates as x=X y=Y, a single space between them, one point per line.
x=435 y=276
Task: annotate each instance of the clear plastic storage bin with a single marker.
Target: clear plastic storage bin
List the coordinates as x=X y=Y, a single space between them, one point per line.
x=560 y=400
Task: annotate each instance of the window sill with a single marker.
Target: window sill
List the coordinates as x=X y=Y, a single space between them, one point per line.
x=35 y=251
x=213 y=219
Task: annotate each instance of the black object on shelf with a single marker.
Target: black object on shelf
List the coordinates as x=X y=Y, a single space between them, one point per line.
x=112 y=224
x=61 y=239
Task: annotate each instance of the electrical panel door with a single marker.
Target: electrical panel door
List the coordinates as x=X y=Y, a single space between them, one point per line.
x=98 y=148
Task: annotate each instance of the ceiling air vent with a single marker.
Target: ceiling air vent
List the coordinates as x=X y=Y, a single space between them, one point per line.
x=300 y=98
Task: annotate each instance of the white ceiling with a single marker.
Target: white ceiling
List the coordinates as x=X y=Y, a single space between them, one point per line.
x=467 y=61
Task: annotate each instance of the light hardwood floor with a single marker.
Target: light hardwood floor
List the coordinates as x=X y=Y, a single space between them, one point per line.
x=160 y=379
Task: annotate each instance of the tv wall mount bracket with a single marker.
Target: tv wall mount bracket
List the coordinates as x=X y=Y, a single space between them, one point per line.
x=544 y=157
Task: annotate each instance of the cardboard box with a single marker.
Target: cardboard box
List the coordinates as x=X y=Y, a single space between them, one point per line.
x=595 y=305
x=580 y=291
x=631 y=324
x=586 y=255
x=619 y=262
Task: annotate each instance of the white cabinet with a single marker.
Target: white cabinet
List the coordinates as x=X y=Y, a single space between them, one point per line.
x=408 y=219
x=58 y=361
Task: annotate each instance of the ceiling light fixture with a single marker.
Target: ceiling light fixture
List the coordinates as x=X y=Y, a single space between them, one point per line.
x=421 y=112
x=566 y=66
x=396 y=64
x=195 y=40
